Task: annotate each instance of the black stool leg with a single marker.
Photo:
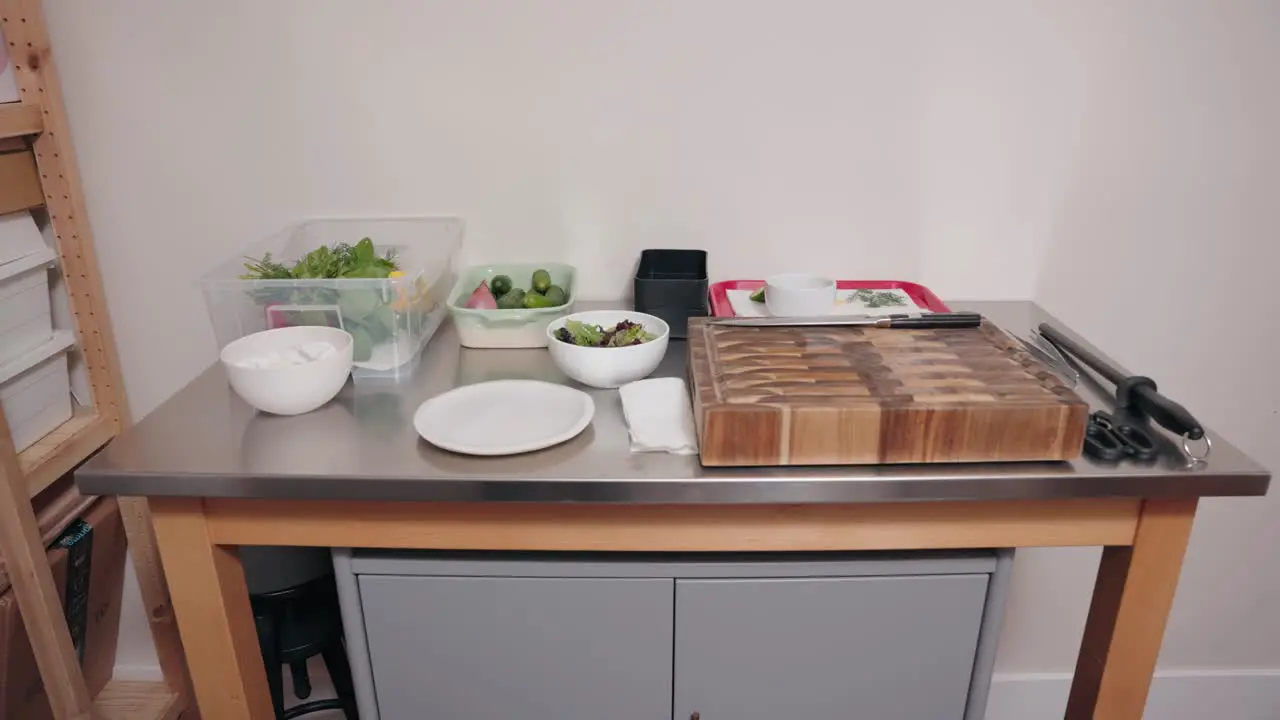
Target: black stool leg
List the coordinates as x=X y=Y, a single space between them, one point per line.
x=270 y=646
x=301 y=680
x=335 y=661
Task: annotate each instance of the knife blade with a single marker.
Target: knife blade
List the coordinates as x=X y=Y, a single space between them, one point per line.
x=917 y=321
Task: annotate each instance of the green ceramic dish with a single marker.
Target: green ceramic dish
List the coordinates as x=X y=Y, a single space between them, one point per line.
x=523 y=328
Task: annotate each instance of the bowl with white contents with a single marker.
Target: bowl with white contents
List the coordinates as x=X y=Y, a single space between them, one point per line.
x=799 y=295
x=607 y=348
x=289 y=371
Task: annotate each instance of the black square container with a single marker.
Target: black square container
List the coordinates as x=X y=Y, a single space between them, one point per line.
x=672 y=284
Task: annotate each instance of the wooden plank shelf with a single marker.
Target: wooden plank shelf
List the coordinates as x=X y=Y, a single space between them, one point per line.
x=131 y=700
x=57 y=453
x=18 y=119
x=42 y=116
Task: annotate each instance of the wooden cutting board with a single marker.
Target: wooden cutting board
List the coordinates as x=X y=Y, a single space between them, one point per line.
x=855 y=395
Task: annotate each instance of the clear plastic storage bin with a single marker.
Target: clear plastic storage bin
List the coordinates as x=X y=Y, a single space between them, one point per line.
x=391 y=319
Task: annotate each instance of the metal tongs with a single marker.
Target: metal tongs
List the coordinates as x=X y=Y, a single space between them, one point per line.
x=1049 y=354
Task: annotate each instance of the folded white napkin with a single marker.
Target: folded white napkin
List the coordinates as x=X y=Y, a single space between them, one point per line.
x=659 y=417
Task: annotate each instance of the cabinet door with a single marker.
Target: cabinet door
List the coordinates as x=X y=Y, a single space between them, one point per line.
x=474 y=648
x=873 y=648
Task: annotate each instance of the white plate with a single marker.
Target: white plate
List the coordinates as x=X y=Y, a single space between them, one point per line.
x=504 y=417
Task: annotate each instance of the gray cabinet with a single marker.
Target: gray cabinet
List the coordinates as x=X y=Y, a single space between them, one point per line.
x=881 y=648
x=560 y=637
x=474 y=648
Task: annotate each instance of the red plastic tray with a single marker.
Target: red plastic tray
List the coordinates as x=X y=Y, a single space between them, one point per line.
x=919 y=294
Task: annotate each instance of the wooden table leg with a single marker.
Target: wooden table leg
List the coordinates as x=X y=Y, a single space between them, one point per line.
x=136 y=515
x=207 y=586
x=1131 y=602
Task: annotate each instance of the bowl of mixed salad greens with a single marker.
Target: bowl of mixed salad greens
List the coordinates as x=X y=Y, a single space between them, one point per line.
x=607 y=348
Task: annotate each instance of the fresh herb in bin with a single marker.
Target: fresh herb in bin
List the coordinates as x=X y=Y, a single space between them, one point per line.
x=621 y=335
x=500 y=294
x=340 y=261
x=369 y=314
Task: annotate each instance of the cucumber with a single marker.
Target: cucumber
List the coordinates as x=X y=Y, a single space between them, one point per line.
x=541 y=280
x=500 y=285
x=536 y=300
x=556 y=296
x=511 y=300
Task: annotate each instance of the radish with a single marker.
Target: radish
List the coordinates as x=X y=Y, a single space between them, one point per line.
x=482 y=299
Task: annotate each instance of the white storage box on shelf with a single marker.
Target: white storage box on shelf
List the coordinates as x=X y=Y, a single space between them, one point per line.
x=8 y=83
x=26 y=318
x=391 y=319
x=35 y=390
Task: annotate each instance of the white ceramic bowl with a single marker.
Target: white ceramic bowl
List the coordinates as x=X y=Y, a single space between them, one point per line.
x=295 y=389
x=609 y=367
x=799 y=295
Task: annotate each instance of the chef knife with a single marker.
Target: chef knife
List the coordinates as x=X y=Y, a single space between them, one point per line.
x=911 y=321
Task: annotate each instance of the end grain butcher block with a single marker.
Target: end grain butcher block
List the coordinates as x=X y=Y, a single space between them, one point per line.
x=862 y=395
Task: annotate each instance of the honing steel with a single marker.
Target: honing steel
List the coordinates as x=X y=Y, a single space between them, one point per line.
x=908 y=321
x=1132 y=391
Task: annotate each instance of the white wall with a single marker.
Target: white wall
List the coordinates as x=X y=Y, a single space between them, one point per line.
x=1113 y=159
x=1171 y=204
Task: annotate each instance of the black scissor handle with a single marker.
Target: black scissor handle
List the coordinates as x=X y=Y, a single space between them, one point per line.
x=1100 y=442
x=1139 y=445
x=1105 y=440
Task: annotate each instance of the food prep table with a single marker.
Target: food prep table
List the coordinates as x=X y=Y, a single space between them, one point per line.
x=355 y=475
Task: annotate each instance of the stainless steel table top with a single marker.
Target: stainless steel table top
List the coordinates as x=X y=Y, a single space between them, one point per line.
x=205 y=442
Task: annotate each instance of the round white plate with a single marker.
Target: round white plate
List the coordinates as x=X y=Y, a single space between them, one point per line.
x=504 y=417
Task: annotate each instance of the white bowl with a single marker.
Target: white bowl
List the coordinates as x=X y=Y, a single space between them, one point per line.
x=609 y=367
x=294 y=389
x=799 y=295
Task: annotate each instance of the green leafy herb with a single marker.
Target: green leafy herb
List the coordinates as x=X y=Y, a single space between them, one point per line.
x=879 y=298
x=581 y=333
x=621 y=335
x=266 y=269
x=326 y=263
x=629 y=334
x=365 y=312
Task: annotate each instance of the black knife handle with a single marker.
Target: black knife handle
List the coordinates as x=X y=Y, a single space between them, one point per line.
x=938 y=321
x=1168 y=414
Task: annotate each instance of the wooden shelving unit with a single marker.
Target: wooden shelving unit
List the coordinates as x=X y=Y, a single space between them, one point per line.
x=41 y=117
x=130 y=700
x=19 y=119
x=57 y=453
